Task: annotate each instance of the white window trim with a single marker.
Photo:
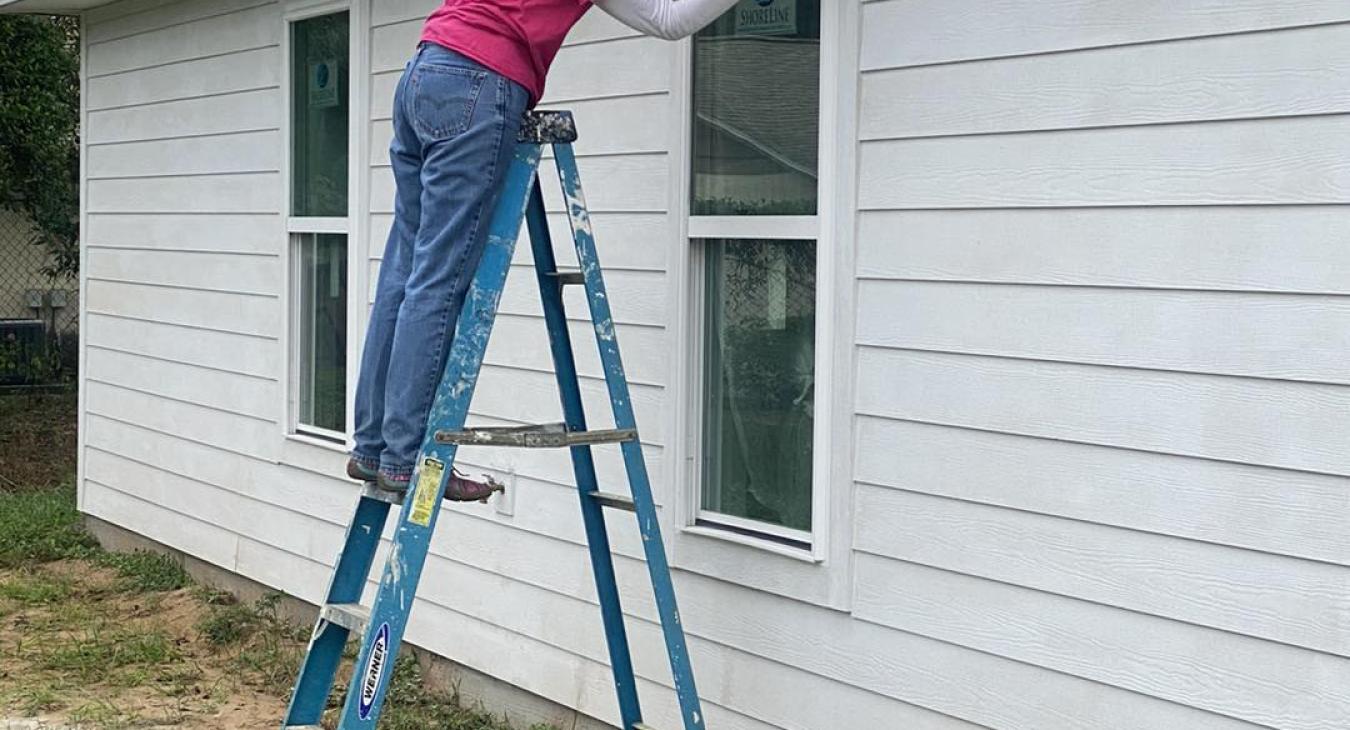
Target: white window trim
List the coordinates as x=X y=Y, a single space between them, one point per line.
x=355 y=225
x=804 y=227
x=822 y=574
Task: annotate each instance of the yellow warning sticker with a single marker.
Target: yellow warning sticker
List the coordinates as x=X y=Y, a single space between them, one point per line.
x=424 y=499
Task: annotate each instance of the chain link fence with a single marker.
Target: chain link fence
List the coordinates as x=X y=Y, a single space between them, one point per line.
x=39 y=313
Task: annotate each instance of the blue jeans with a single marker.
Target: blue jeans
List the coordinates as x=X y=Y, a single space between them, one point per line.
x=455 y=125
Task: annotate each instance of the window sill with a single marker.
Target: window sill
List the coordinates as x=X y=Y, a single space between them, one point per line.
x=313 y=454
x=799 y=554
x=304 y=438
x=761 y=565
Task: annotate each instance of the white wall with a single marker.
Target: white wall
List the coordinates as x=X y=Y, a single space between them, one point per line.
x=1100 y=380
x=1102 y=329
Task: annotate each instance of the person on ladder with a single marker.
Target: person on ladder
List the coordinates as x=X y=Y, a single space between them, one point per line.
x=457 y=109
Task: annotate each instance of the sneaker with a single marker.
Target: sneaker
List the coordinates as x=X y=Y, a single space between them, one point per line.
x=392 y=483
x=358 y=470
x=463 y=489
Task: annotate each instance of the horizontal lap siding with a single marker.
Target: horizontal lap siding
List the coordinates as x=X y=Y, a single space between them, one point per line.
x=1101 y=343
x=183 y=266
x=184 y=279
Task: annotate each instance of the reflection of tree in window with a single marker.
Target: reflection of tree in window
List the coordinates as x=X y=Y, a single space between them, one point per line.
x=756 y=111
x=760 y=380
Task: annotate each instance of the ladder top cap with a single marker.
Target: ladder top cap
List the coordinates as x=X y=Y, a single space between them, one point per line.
x=547 y=127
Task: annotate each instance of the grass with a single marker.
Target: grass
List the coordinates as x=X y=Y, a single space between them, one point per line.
x=41 y=525
x=98 y=639
x=145 y=572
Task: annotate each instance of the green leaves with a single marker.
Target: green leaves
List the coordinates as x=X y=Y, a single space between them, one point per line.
x=39 y=131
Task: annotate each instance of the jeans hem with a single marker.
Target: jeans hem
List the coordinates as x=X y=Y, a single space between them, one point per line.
x=366 y=462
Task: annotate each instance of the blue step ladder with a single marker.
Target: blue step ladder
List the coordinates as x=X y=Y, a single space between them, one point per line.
x=380 y=627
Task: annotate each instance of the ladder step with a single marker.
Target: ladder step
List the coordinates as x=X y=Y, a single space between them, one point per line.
x=568 y=277
x=370 y=491
x=617 y=501
x=350 y=616
x=544 y=436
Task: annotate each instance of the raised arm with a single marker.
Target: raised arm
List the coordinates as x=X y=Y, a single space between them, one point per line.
x=669 y=19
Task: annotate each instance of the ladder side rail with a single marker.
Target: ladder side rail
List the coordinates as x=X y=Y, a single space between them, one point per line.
x=639 y=482
x=310 y=694
x=583 y=465
x=421 y=507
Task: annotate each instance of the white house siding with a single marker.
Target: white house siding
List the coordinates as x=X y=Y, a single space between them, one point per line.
x=1102 y=326
x=1100 y=382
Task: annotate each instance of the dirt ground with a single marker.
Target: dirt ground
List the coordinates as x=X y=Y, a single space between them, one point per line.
x=37 y=440
x=80 y=650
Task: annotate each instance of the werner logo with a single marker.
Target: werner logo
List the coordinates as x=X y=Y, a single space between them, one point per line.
x=374 y=670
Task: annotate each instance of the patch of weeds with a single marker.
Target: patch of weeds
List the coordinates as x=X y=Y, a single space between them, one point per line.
x=92 y=655
x=226 y=624
x=34 y=700
x=73 y=615
x=39 y=526
x=179 y=681
x=212 y=596
x=269 y=650
x=35 y=588
x=145 y=572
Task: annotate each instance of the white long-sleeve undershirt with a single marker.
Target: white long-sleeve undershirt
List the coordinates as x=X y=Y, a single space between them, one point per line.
x=668 y=19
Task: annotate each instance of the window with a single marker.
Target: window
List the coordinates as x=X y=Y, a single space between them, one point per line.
x=753 y=204
x=758 y=380
x=757 y=110
x=317 y=223
x=322 y=334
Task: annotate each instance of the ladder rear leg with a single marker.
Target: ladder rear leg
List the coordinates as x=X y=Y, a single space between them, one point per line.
x=583 y=465
x=681 y=671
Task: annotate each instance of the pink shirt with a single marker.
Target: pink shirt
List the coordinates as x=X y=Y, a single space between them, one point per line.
x=516 y=38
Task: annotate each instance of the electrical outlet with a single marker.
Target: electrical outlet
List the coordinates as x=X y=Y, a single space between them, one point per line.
x=32 y=298
x=59 y=298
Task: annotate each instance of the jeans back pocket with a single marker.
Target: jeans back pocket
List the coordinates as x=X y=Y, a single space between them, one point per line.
x=444 y=99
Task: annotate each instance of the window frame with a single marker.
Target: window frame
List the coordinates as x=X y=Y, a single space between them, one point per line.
x=354 y=225
x=759 y=557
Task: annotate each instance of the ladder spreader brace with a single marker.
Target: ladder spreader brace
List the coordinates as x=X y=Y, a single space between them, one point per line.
x=380 y=626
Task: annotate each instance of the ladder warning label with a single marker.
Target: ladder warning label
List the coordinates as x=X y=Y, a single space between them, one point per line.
x=424 y=499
